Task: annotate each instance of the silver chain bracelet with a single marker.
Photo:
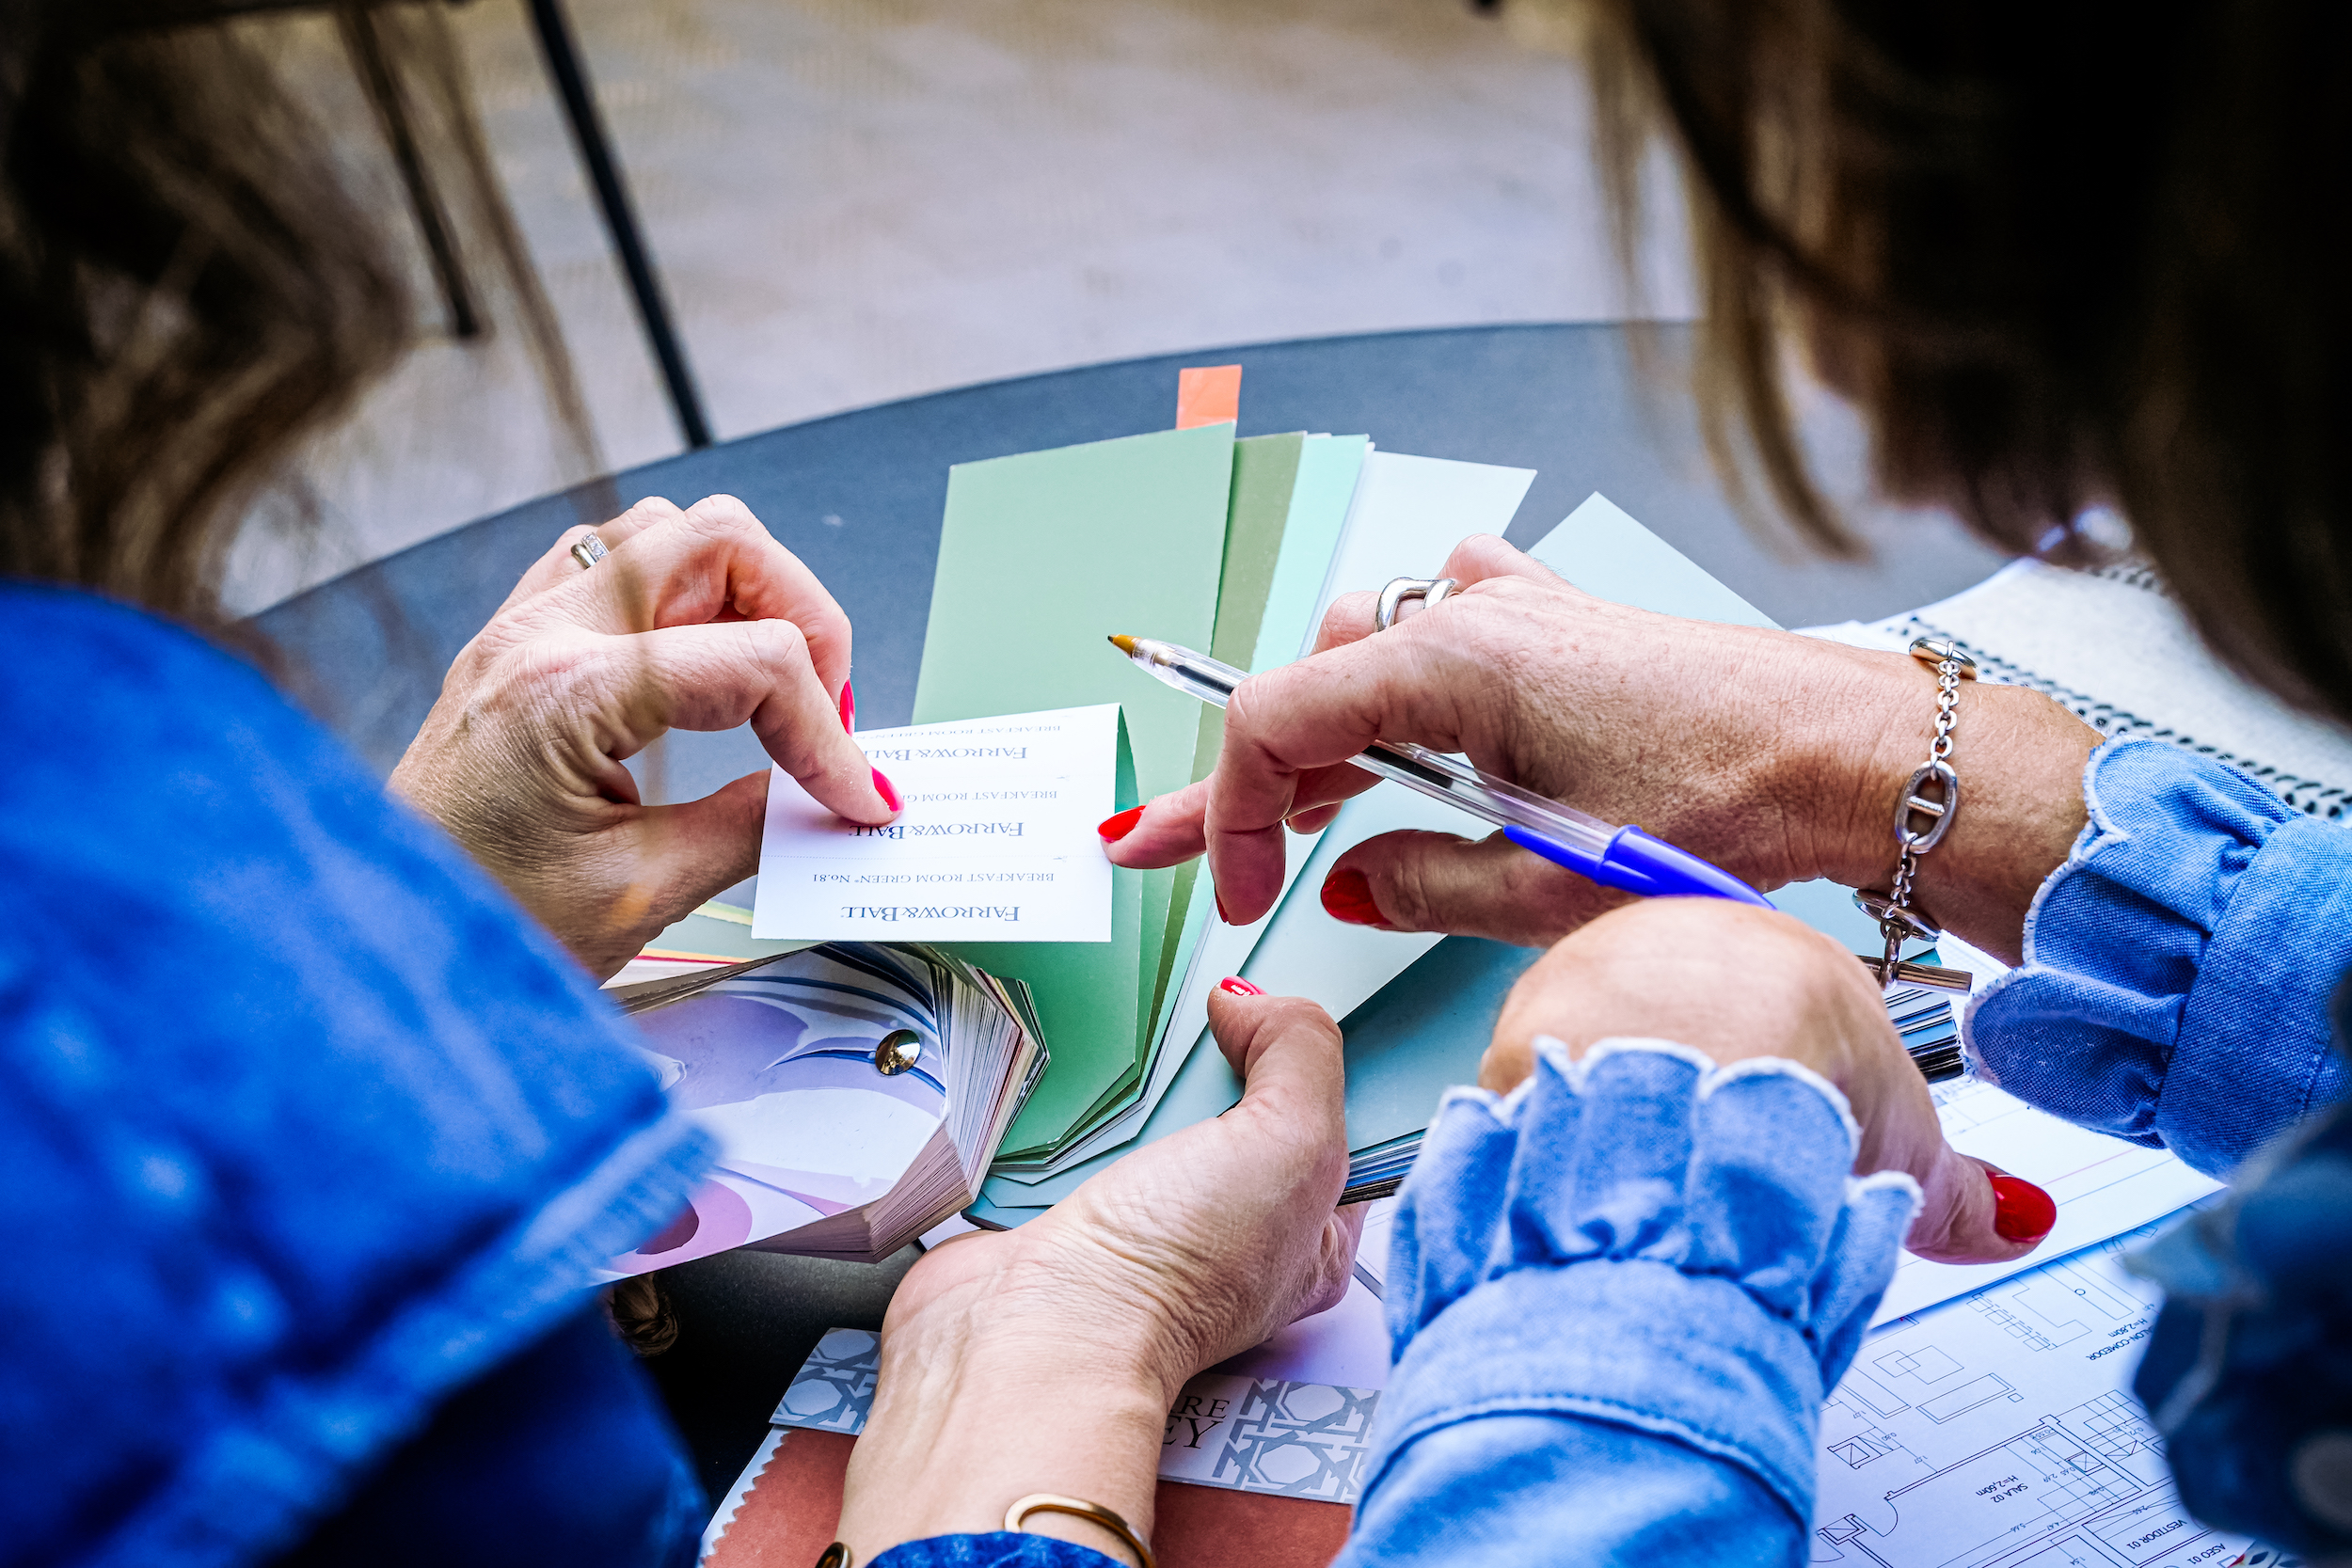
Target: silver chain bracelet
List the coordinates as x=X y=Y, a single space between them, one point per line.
x=1898 y=921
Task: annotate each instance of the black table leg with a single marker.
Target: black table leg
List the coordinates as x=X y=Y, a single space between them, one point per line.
x=620 y=217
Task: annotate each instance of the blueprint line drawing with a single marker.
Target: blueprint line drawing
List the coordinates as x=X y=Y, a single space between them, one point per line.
x=1999 y=1430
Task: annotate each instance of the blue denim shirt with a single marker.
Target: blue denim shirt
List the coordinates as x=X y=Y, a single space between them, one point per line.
x=1619 y=1296
x=312 y=1143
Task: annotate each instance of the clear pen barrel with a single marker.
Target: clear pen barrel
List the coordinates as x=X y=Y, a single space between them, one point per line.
x=1197 y=675
x=1484 y=795
x=1433 y=774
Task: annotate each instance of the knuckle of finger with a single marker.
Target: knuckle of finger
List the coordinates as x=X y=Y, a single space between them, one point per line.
x=1301 y=1015
x=1348 y=613
x=1476 y=550
x=1241 y=710
x=726 y=515
x=779 y=644
x=652 y=509
x=558 y=670
x=1504 y=1064
x=1405 y=892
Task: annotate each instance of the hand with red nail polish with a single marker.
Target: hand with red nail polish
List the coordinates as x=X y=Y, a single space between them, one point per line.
x=1737 y=982
x=1625 y=714
x=1167 y=1261
x=2021 y=1211
x=694 y=620
x=1347 y=898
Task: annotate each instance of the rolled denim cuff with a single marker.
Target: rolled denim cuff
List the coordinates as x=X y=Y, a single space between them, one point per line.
x=1645 y=1238
x=2178 y=966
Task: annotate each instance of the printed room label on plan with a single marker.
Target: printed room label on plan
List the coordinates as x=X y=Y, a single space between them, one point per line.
x=997 y=843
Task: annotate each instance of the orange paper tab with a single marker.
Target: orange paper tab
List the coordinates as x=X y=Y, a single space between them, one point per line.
x=1208 y=394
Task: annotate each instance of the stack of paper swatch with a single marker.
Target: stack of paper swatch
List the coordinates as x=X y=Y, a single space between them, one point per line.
x=855 y=1092
x=1236 y=546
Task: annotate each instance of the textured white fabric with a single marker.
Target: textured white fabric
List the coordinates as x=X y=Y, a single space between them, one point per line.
x=2113 y=647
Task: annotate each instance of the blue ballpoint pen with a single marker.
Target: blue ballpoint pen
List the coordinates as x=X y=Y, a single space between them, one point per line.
x=1626 y=857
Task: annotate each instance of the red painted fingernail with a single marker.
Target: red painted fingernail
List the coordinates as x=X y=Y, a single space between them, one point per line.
x=1348 y=896
x=2021 y=1211
x=1112 y=828
x=1220 y=909
x=849 y=708
x=888 y=791
x=1239 y=986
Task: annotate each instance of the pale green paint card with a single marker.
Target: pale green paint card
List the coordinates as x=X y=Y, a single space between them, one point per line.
x=1041 y=556
x=1045 y=554
x=1291 y=495
x=1265 y=480
x=1327 y=470
x=1257 y=530
x=721 y=939
x=1601 y=549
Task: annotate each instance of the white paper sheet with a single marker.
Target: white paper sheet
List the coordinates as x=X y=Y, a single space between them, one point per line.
x=997 y=843
x=2001 y=1430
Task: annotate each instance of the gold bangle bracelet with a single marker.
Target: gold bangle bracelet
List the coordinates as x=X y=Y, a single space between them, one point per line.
x=1046 y=1502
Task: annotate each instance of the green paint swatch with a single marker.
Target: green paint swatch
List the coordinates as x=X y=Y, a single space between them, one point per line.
x=1042 y=556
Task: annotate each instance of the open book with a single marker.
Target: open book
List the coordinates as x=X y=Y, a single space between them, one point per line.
x=856 y=1092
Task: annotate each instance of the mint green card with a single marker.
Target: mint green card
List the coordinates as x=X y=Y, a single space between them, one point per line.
x=1045 y=554
x=1327 y=470
x=1042 y=556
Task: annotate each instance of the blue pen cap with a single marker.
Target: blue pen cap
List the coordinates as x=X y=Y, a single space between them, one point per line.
x=1636 y=861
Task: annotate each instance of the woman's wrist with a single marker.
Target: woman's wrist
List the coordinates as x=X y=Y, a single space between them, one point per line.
x=987 y=1394
x=2019 y=757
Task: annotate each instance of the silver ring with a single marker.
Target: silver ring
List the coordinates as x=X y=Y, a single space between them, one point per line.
x=588 y=549
x=1431 y=591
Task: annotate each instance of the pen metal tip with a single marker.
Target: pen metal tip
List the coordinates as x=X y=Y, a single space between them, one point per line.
x=1124 y=644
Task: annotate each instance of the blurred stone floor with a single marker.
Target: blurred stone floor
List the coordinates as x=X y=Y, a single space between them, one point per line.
x=857 y=201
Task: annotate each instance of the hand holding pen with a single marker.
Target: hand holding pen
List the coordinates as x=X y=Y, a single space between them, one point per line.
x=1623 y=858
x=1753 y=750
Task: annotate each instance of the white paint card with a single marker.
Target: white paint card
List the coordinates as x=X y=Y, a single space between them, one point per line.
x=997 y=843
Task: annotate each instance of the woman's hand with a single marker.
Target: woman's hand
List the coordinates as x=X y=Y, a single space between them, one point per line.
x=697 y=620
x=1778 y=757
x=1734 y=981
x=1044 y=1360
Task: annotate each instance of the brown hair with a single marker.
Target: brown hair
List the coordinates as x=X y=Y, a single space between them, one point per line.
x=187 y=292
x=2058 y=255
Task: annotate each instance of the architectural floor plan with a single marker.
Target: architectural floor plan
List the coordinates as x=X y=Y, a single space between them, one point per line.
x=1999 y=1431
